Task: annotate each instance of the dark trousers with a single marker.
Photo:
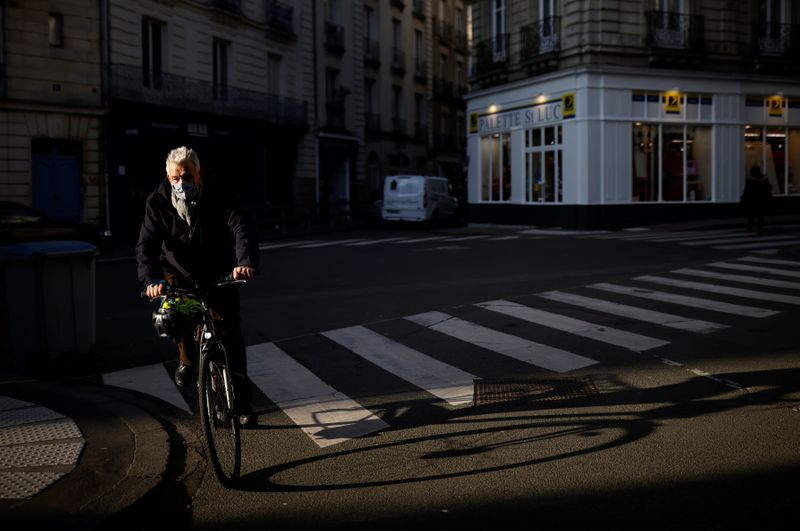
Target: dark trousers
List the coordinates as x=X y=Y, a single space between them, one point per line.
x=224 y=303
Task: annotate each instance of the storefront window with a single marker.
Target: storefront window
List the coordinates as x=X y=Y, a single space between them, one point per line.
x=776 y=152
x=496 y=167
x=676 y=156
x=645 y=162
x=543 y=165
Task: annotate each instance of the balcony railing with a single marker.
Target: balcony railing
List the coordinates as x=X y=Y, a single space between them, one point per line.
x=126 y=83
x=399 y=4
x=443 y=30
x=372 y=52
x=771 y=39
x=279 y=16
x=334 y=38
x=676 y=31
x=540 y=38
x=490 y=55
x=398 y=61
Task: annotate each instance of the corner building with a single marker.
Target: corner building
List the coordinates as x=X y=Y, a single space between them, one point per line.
x=591 y=115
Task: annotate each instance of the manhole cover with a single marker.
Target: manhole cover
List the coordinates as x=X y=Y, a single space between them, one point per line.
x=530 y=390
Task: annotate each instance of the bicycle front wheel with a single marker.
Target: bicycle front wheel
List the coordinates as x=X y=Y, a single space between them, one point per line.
x=220 y=425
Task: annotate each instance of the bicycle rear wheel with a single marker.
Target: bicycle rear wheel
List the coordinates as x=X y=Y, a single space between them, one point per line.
x=220 y=425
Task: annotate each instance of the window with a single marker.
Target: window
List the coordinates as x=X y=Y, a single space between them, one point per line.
x=152 y=53
x=776 y=151
x=419 y=52
x=543 y=165
x=496 y=167
x=499 y=48
x=55 y=29
x=369 y=23
x=274 y=79
x=220 y=69
x=671 y=163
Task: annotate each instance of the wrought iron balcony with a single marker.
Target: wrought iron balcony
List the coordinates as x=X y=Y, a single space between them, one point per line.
x=128 y=83
x=540 y=38
x=674 y=31
x=491 y=55
x=443 y=31
x=279 y=16
x=372 y=53
x=399 y=4
x=334 y=38
x=776 y=40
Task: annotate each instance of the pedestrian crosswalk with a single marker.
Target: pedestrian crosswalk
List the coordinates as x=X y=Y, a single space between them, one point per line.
x=432 y=353
x=724 y=239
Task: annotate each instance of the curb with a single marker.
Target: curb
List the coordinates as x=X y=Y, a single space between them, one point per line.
x=125 y=456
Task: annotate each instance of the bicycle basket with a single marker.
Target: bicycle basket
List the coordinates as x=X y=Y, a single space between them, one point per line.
x=176 y=315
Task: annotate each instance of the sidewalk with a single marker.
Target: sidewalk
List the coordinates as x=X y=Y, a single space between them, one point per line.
x=75 y=455
x=83 y=455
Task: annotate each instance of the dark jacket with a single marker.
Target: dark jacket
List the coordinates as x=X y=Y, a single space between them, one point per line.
x=222 y=237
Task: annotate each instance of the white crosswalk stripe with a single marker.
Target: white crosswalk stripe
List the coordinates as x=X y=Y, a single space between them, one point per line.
x=323 y=413
x=440 y=379
x=759 y=245
x=606 y=334
x=757 y=269
x=717 y=288
x=738 y=278
x=328 y=416
x=773 y=261
x=149 y=379
x=537 y=354
x=328 y=244
x=743 y=239
x=687 y=300
x=633 y=312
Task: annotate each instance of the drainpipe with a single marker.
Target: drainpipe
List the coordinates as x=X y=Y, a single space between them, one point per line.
x=105 y=82
x=315 y=100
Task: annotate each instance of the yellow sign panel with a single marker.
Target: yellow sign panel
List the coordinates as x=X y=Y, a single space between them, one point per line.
x=775 y=105
x=672 y=102
x=568 y=105
x=473 y=122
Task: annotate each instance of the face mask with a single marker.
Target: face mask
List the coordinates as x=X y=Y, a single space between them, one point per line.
x=185 y=190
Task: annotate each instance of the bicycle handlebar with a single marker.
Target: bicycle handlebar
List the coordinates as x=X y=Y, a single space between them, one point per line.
x=224 y=282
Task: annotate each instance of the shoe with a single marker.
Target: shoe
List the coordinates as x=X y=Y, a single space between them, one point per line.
x=184 y=375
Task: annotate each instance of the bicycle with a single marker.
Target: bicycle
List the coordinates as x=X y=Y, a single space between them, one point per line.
x=216 y=396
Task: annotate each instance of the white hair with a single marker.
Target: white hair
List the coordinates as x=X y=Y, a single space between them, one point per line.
x=184 y=156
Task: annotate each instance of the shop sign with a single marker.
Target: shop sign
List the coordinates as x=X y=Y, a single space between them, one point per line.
x=521 y=117
x=568 y=102
x=775 y=105
x=672 y=102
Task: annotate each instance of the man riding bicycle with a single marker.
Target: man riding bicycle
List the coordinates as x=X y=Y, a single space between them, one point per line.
x=195 y=233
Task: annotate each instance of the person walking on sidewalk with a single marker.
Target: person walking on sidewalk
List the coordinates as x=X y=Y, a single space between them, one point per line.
x=195 y=232
x=755 y=198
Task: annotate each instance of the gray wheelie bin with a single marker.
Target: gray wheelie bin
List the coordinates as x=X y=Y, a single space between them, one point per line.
x=49 y=308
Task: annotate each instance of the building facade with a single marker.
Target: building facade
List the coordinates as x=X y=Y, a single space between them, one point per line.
x=227 y=77
x=629 y=112
x=51 y=112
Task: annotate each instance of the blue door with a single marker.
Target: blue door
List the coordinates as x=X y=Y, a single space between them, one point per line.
x=56 y=178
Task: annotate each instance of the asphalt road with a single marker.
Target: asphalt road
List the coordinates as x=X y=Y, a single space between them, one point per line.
x=689 y=422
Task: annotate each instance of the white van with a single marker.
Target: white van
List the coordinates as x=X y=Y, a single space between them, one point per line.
x=418 y=198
